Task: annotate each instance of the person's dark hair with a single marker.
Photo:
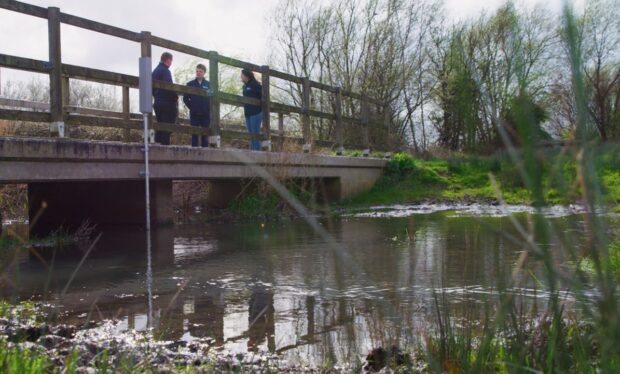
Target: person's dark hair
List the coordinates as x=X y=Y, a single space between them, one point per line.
x=201 y=67
x=165 y=56
x=248 y=74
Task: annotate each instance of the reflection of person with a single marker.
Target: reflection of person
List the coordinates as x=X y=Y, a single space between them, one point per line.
x=253 y=113
x=261 y=318
x=199 y=111
x=165 y=104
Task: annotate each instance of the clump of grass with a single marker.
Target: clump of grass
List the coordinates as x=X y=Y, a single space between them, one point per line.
x=15 y=358
x=25 y=311
x=612 y=260
x=454 y=179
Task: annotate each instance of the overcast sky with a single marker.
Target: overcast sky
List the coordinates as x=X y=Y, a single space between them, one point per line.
x=231 y=27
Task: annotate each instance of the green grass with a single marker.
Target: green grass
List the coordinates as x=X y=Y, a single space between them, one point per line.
x=17 y=359
x=408 y=180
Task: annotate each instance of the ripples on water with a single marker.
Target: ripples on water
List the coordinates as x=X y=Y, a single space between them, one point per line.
x=278 y=287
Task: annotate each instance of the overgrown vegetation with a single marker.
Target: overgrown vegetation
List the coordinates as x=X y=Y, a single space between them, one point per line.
x=468 y=178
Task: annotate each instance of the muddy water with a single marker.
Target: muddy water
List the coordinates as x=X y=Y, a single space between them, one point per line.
x=279 y=287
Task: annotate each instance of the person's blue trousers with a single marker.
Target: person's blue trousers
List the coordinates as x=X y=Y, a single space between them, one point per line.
x=252 y=123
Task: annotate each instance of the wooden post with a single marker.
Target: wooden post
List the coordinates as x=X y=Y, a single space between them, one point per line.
x=305 y=117
x=126 y=115
x=387 y=120
x=66 y=92
x=339 y=129
x=281 y=130
x=57 y=126
x=214 y=140
x=266 y=109
x=145 y=51
x=365 y=128
x=66 y=98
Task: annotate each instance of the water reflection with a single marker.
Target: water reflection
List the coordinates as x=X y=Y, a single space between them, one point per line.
x=278 y=287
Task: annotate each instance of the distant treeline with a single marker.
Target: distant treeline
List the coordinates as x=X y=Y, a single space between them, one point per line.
x=459 y=86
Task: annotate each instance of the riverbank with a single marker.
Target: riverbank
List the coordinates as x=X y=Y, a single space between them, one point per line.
x=29 y=343
x=493 y=179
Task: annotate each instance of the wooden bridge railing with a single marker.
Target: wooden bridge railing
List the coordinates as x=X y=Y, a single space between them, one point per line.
x=60 y=112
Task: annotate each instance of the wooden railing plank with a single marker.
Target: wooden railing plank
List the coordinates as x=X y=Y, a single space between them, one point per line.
x=100 y=76
x=27 y=64
x=179 y=47
x=285 y=76
x=237 y=100
x=237 y=63
x=24 y=104
x=99 y=27
x=25 y=115
x=19 y=7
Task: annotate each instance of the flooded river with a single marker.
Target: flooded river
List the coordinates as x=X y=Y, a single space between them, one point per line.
x=281 y=287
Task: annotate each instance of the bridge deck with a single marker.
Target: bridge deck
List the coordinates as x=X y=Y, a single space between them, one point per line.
x=29 y=160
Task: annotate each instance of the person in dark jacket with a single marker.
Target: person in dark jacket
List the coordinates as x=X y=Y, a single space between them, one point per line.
x=199 y=110
x=253 y=113
x=165 y=105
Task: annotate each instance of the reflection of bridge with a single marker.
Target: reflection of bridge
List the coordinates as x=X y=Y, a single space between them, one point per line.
x=101 y=181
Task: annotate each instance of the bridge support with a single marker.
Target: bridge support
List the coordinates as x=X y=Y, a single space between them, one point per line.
x=67 y=204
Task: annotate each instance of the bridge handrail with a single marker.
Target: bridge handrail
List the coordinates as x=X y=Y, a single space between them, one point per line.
x=60 y=74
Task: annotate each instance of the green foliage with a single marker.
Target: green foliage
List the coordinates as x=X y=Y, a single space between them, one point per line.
x=24 y=311
x=17 y=359
x=407 y=180
x=256 y=205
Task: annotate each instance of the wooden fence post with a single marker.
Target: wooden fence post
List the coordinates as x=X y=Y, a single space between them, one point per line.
x=266 y=109
x=305 y=117
x=57 y=126
x=214 y=139
x=339 y=128
x=66 y=93
x=126 y=113
x=145 y=51
x=281 y=130
x=365 y=112
x=387 y=122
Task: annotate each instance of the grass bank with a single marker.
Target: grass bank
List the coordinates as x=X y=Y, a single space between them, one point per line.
x=470 y=178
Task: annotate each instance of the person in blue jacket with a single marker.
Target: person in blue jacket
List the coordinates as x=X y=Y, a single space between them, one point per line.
x=199 y=106
x=165 y=105
x=253 y=113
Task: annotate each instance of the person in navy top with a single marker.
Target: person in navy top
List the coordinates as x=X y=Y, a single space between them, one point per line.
x=199 y=106
x=165 y=105
x=253 y=113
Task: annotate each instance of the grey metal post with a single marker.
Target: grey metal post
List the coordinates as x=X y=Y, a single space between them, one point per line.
x=145 y=51
x=146 y=108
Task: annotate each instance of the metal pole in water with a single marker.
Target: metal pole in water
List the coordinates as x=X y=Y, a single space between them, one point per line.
x=147 y=194
x=146 y=171
x=146 y=107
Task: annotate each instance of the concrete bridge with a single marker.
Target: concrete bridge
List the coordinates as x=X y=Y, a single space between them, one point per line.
x=70 y=180
x=73 y=180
